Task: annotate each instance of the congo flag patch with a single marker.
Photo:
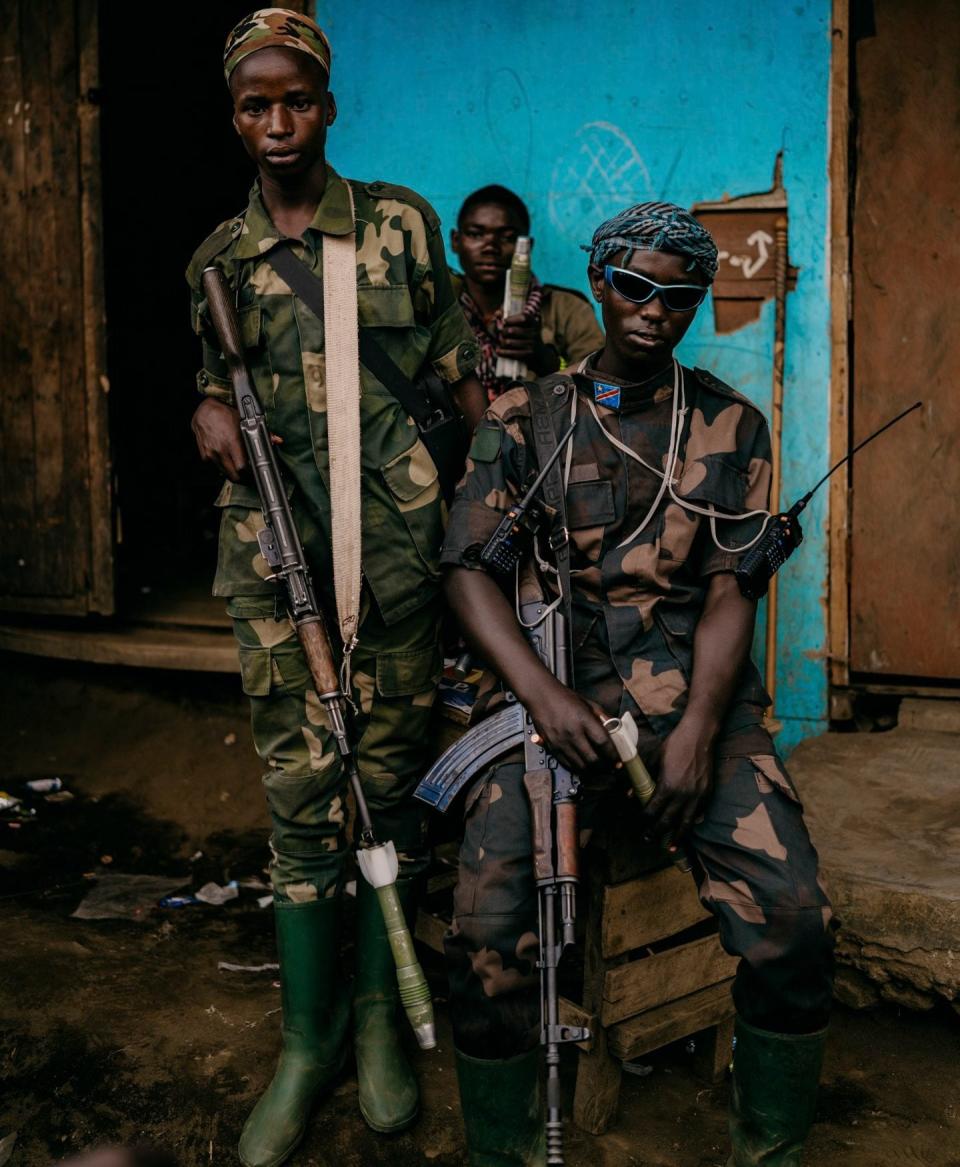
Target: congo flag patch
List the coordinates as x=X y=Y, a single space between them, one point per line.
x=608 y=395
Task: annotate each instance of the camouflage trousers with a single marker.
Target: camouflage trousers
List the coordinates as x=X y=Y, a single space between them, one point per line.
x=393 y=685
x=752 y=859
x=395 y=669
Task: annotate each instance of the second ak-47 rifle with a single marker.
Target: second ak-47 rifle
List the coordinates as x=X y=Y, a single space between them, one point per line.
x=281 y=547
x=551 y=788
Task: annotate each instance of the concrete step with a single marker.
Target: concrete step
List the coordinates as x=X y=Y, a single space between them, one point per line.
x=884 y=813
x=936 y=715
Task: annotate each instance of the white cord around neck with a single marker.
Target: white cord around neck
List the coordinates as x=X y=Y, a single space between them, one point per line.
x=678 y=414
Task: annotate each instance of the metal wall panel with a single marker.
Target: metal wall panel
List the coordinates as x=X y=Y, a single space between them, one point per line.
x=905 y=560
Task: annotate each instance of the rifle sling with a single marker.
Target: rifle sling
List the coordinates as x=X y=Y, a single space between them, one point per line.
x=552 y=491
x=301 y=280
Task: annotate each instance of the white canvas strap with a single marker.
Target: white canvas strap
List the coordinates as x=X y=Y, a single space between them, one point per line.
x=343 y=429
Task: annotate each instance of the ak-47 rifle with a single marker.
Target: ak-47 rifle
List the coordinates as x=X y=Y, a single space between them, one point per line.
x=551 y=788
x=281 y=547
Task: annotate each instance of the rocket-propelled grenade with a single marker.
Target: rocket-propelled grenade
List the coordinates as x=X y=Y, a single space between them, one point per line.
x=514 y=300
x=624 y=735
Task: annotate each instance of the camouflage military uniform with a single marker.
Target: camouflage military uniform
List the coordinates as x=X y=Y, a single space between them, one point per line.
x=567 y=321
x=635 y=609
x=404 y=295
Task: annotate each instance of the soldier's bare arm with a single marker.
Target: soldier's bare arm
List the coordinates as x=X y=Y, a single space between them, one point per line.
x=720 y=649
x=216 y=428
x=470 y=398
x=571 y=728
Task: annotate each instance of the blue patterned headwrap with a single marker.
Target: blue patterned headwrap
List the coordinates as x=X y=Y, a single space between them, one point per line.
x=655 y=227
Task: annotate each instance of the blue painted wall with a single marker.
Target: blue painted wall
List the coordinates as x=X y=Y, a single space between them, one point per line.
x=584 y=108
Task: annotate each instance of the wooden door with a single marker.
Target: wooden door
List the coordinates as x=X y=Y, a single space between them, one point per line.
x=905 y=554
x=55 y=518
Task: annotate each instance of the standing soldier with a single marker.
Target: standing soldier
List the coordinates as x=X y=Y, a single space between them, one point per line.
x=277 y=65
x=666 y=482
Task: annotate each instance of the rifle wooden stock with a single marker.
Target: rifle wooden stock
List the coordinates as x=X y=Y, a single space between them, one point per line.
x=568 y=841
x=539 y=787
x=223 y=316
x=316 y=648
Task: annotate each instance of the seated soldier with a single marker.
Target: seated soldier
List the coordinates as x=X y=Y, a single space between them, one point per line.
x=558 y=326
x=666 y=481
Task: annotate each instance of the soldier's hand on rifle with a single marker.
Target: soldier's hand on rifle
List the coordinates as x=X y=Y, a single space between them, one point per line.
x=520 y=341
x=571 y=728
x=216 y=427
x=684 y=781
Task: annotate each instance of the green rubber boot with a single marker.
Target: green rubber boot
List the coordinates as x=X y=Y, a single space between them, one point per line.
x=388 y=1093
x=774 y=1096
x=504 y=1120
x=316 y=1012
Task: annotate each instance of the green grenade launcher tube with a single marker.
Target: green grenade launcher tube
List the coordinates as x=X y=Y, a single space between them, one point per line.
x=378 y=865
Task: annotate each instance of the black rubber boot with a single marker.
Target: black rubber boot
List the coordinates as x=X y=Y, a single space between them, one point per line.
x=774 y=1095
x=504 y=1120
x=388 y=1093
x=316 y=1013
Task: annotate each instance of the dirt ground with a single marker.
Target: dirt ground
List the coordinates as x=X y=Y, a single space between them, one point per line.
x=120 y=1029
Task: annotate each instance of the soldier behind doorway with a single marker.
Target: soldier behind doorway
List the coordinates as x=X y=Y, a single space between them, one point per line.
x=558 y=326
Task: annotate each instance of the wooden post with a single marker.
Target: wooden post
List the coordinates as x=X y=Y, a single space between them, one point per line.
x=598 y=1073
x=838 y=628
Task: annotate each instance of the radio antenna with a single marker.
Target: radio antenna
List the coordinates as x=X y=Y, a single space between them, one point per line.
x=801 y=505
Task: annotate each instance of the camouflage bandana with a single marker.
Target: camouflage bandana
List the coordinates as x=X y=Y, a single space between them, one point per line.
x=269 y=28
x=655 y=227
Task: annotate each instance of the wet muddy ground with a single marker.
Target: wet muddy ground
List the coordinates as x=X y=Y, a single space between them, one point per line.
x=121 y=1029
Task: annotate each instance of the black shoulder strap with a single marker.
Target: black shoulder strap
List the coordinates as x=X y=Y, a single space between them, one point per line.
x=305 y=284
x=545 y=441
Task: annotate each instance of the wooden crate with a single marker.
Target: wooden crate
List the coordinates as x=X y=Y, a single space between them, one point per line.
x=646 y=983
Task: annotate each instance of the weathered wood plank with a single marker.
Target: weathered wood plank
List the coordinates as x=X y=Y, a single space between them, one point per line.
x=45 y=426
x=658 y=1027
x=96 y=384
x=16 y=408
x=430 y=930
x=598 y=1074
x=648 y=909
x=62 y=480
x=573 y=1014
x=654 y=980
x=149 y=648
x=49 y=537
x=839 y=188
x=714 y=1050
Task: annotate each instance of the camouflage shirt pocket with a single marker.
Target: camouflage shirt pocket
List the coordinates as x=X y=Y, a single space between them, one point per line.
x=770 y=776
x=411 y=478
x=405 y=674
x=714 y=482
x=256 y=350
x=388 y=312
x=676 y=627
x=590 y=510
x=590 y=504
x=388 y=306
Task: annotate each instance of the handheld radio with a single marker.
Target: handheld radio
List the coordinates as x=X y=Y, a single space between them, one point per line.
x=784 y=535
x=518 y=527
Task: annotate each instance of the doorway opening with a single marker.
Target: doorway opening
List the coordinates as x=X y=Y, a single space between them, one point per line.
x=173 y=169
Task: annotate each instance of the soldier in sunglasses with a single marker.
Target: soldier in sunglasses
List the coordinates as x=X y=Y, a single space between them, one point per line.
x=667 y=483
